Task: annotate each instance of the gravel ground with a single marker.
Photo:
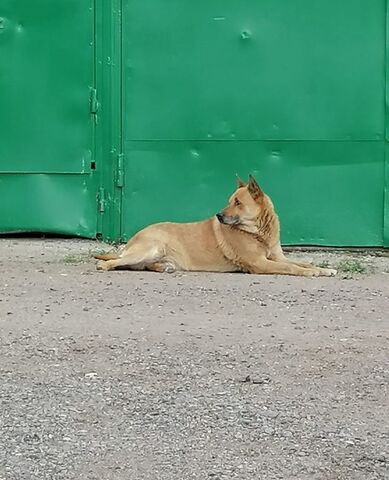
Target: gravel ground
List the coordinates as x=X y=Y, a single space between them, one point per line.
x=133 y=375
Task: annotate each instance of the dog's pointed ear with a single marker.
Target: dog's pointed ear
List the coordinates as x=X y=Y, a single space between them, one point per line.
x=255 y=190
x=239 y=182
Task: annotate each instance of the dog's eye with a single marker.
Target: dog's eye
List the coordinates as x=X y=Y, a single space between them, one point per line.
x=237 y=202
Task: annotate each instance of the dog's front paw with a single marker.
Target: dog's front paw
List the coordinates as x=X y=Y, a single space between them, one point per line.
x=102 y=265
x=328 y=272
x=311 y=272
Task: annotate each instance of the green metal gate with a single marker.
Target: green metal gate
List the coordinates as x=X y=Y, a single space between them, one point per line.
x=293 y=92
x=47 y=181
x=118 y=114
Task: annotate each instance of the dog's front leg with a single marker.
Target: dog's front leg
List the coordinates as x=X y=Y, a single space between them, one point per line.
x=278 y=255
x=270 y=267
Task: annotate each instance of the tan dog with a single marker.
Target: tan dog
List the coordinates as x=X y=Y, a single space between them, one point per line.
x=244 y=237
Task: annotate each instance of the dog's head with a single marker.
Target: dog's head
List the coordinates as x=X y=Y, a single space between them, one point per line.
x=246 y=206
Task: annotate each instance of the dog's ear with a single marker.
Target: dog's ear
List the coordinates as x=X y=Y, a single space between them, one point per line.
x=239 y=182
x=255 y=190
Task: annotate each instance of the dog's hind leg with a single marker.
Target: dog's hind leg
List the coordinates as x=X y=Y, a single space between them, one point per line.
x=161 y=267
x=137 y=257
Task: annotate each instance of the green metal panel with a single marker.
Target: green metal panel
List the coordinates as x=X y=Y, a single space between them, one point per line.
x=47 y=130
x=267 y=69
x=334 y=201
x=63 y=204
x=386 y=188
x=386 y=198
x=291 y=91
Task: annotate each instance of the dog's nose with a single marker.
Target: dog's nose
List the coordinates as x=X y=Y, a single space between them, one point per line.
x=220 y=217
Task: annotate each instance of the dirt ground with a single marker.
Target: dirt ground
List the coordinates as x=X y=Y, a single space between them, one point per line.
x=133 y=375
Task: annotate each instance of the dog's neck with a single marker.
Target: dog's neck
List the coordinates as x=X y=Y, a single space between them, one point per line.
x=266 y=231
x=268 y=226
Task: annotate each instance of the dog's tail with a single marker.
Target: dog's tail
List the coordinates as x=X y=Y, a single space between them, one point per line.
x=107 y=256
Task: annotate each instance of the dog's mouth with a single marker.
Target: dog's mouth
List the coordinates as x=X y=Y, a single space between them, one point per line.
x=225 y=220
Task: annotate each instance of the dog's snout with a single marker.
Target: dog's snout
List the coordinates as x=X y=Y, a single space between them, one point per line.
x=220 y=217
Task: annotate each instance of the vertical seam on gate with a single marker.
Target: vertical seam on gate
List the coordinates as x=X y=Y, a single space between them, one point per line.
x=121 y=110
x=96 y=184
x=385 y=233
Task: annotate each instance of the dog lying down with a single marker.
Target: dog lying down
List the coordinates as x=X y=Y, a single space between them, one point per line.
x=244 y=237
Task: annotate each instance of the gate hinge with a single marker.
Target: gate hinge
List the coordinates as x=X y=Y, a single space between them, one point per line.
x=120 y=170
x=94 y=104
x=101 y=200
